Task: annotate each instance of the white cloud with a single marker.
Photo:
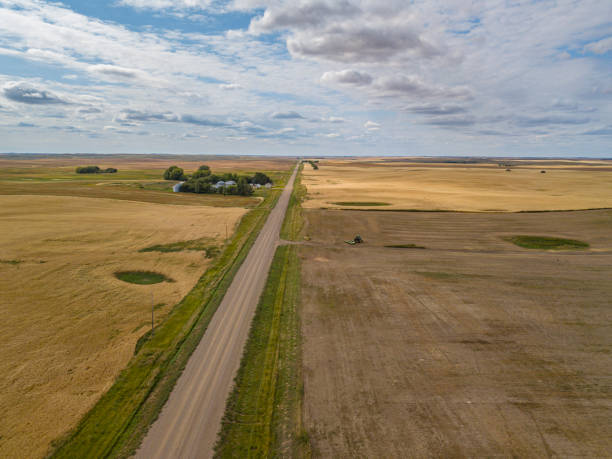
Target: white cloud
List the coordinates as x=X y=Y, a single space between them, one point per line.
x=167 y=4
x=347 y=77
x=371 y=126
x=230 y=86
x=600 y=47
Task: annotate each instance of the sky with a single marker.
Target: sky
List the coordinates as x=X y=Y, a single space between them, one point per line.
x=308 y=77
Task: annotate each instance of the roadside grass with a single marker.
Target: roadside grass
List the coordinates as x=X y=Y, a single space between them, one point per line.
x=360 y=203
x=546 y=243
x=263 y=413
x=404 y=246
x=142 y=277
x=293 y=223
x=203 y=244
x=115 y=426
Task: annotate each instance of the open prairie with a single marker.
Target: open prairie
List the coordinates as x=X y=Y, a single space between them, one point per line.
x=478 y=186
x=69 y=325
x=463 y=346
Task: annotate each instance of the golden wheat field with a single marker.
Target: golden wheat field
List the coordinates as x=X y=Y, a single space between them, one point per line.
x=467 y=187
x=68 y=324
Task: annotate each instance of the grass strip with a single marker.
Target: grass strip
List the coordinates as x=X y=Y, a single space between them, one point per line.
x=293 y=223
x=263 y=412
x=115 y=426
x=546 y=243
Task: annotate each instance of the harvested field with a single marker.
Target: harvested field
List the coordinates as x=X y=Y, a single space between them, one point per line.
x=482 y=187
x=471 y=347
x=69 y=325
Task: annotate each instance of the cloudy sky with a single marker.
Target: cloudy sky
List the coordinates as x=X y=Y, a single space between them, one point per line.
x=353 y=77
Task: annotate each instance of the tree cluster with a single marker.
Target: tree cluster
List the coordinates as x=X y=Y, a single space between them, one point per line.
x=204 y=181
x=95 y=170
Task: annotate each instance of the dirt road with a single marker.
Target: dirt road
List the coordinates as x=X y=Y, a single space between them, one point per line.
x=187 y=426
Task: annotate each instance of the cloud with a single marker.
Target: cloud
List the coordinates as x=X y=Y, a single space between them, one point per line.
x=306 y=14
x=360 y=44
x=192 y=119
x=371 y=126
x=27 y=125
x=600 y=47
x=137 y=115
x=114 y=71
x=29 y=94
x=600 y=131
x=230 y=86
x=548 y=120
x=335 y=119
x=452 y=121
x=433 y=109
x=89 y=110
x=347 y=77
x=167 y=4
x=412 y=85
x=292 y=115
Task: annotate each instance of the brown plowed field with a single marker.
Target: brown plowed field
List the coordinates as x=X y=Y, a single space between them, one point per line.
x=471 y=347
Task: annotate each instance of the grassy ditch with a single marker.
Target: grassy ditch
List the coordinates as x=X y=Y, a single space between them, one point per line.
x=117 y=423
x=546 y=243
x=263 y=413
x=293 y=223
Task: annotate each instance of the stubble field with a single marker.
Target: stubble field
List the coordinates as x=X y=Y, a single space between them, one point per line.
x=69 y=325
x=483 y=186
x=461 y=344
x=469 y=347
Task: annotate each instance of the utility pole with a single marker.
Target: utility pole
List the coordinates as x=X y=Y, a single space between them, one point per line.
x=152 y=315
x=226 y=231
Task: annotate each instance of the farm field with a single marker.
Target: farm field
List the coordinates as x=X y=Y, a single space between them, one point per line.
x=139 y=177
x=69 y=325
x=469 y=346
x=482 y=186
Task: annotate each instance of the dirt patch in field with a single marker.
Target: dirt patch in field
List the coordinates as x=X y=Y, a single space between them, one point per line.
x=473 y=347
x=483 y=187
x=68 y=324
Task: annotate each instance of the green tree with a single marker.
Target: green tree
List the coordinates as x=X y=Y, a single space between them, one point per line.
x=201 y=173
x=244 y=187
x=174 y=173
x=261 y=178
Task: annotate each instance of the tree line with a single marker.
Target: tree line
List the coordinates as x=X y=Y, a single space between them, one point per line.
x=204 y=181
x=95 y=170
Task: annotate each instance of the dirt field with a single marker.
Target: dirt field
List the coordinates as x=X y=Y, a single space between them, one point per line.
x=404 y=184
x=470 y=347
x=68 y=325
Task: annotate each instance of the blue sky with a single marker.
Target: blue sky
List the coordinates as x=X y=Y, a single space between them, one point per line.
x=349 y=77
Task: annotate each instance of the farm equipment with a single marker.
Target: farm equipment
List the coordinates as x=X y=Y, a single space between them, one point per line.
x=356 y=240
